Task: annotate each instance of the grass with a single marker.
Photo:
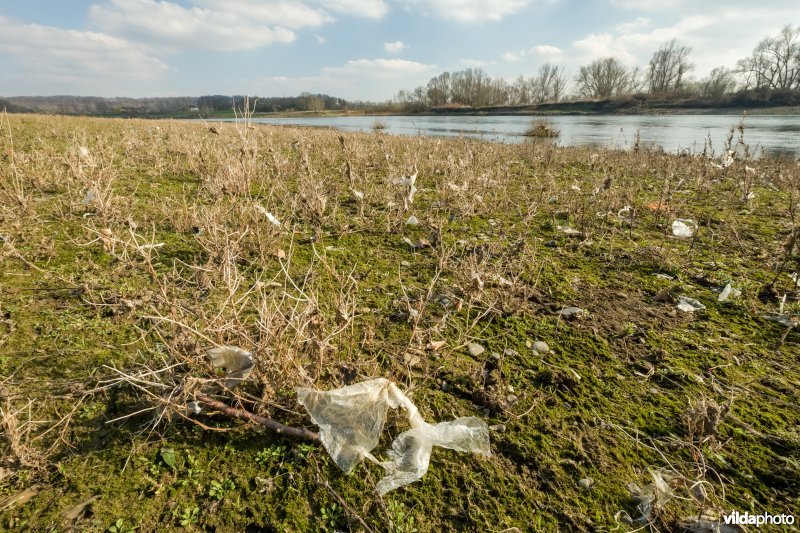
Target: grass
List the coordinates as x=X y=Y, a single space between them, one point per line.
x=542 y=129
x=170 y=255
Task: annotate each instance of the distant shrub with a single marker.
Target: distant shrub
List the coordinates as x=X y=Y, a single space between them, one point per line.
x=543 y=129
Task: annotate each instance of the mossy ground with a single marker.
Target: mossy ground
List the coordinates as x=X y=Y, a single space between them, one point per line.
x=335 y=295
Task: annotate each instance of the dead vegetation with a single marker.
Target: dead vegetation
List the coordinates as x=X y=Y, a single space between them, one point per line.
x=132 y=248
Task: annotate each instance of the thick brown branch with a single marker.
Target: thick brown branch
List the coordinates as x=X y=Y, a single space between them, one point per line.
x=241 y=414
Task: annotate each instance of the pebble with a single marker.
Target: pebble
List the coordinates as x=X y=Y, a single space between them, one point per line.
x=475 y=349
x=541 y=347
x=495 y=356
x=508 y=352
x=412 y=221
x=511 y=398
x=585 y=483
x=500 y=428
x=572 y=311
x=551 y=244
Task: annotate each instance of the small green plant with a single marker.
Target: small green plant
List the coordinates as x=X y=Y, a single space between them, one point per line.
x=402 y=520
x=304 y=450
x=120 y=527
x=189 y=516
x=192 y=472
x=331 y=517
x=219 y=490
x=269 y=455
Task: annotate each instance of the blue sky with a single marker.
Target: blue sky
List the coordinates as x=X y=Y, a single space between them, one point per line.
x=355 y=49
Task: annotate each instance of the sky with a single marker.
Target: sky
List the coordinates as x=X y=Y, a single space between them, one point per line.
x=353 y=49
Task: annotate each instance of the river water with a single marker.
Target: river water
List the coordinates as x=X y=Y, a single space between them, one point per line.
x=774 y=135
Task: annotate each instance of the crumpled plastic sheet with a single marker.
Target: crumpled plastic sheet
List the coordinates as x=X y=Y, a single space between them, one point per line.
x=351 y=420
x=237 y=363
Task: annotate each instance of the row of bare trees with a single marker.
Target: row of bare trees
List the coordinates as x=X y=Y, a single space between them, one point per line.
x=774 y=64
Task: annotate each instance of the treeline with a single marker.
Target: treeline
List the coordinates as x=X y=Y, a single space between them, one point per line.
x=95 y=105
x=171 y=106
x=771 y=74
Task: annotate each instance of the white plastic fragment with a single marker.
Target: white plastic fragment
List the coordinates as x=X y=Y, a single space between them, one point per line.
x=412 y=221
x=237 y=363
x=272 y=218
x=572 y=232
x=728 y=293
x=194 y=408
x=785 y=320
x=351 y=419
x=88 y=197
x=683 y=227
x=689 y=305
x=653 y=496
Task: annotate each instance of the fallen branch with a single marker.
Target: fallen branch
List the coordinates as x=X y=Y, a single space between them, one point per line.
x=241 y=414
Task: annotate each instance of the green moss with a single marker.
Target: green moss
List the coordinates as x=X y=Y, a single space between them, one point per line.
x=608 y=402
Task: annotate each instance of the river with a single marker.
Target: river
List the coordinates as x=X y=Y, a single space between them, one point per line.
x=775 y=135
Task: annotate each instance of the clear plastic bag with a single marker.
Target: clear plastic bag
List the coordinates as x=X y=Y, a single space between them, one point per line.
x=351 y=420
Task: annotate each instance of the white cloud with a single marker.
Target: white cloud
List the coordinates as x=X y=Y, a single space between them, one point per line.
x=634 y=47
x=646 y=5
x=46 y=56
x=170 y=24
x=380 y=68
x=395 y=47
x=638 y=24
x=358 y=8
x=542 y=51
x=287 y=13
x=475 y=63
x=470 y=10
x=320 y=39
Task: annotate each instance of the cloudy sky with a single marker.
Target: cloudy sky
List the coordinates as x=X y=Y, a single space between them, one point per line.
x=355 y=49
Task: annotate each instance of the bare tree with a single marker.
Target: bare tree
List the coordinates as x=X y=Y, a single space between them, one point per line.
x=520 y=93
x=439 y=89
x=721 y=80
x=549 y=84
x=603 y=78
x=668 y=67
x=775 y=62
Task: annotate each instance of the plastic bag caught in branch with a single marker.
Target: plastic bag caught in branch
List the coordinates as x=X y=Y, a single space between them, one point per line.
x=351 y=420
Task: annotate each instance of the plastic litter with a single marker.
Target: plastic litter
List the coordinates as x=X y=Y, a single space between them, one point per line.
x=689 y=305
x=88 y=197
x=351 y=419
x=785 y=320
x=272 y=218
x=237 y=363
x=728 y=293
x=653 y=496
x=683 y=227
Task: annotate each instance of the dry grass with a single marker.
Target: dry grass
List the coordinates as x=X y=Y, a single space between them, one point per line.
x=157 y=241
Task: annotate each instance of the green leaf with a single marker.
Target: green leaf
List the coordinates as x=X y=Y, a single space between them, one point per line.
x=168 y=456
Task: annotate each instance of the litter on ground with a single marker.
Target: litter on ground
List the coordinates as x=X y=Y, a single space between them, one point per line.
x=351 y=420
